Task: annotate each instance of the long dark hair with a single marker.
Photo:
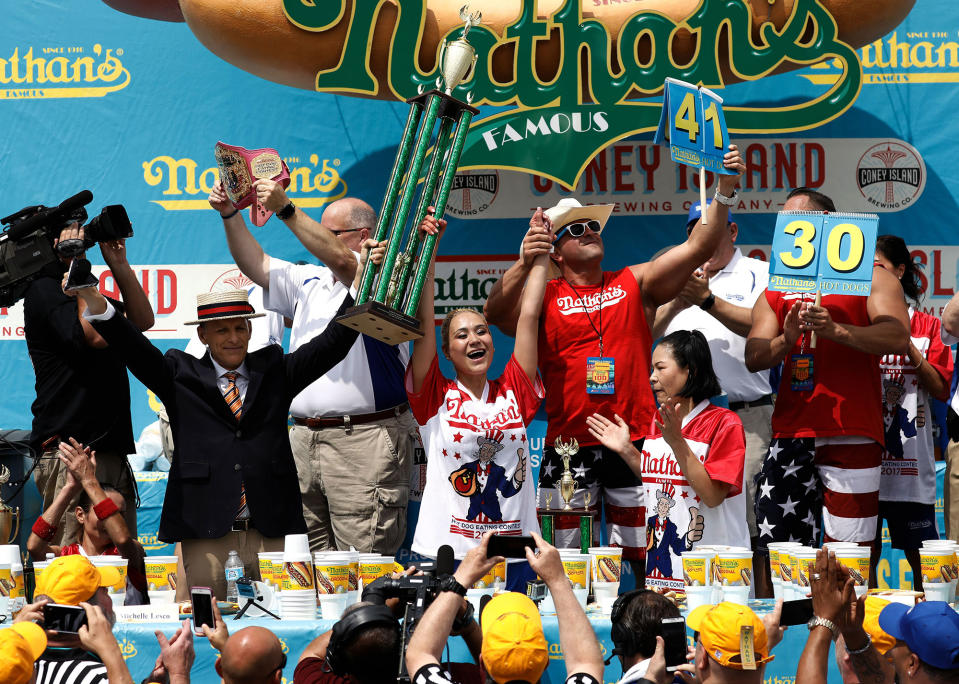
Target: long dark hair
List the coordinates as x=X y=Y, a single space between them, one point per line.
x=894 y=248
x=691 y=351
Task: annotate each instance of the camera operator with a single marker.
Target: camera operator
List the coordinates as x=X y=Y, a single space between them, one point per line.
x=369 y=646
x=514 y=648
x=82 y=387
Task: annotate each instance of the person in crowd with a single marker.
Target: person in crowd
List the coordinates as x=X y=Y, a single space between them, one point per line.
x=233 y=484
x=474 y=430
x=513 y=648
x=950 y=336
x=82 y=387
x=691 y=464
x=824 y=460
x=20 y=646
x=907 y=487
x=596 y=326
x=352 y=428
x=99 y=511
x=832 y=589
x=254 y=655
x=718 y=300
x=92 y=656
x=723 y=653
x=177 y=654
x=636 y=623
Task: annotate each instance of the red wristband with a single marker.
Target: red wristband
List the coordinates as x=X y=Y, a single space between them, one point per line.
x=44 y=530
x=105 y=508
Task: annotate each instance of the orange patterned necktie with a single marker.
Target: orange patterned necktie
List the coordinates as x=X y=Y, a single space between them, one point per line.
x=233 y=401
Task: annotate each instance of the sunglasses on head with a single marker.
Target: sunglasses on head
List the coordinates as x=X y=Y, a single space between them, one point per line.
x=578 y=229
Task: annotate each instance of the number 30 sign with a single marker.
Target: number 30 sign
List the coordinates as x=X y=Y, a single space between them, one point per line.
x=831 y=253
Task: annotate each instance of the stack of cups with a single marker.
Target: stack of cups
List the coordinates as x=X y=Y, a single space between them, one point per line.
x=373 y=566
x=803 y=564
x=10 y=553
x=779 y=565
x=487 y=585
x=698 y=576
x=605 y=567
x=6 y=580
x=161 y=578
x=119 y=590
x=576 y=565
x=264 y=561
x=854 y=558
x=298 y=593
x=736 y=573
x=937 y=558
x=337 y=577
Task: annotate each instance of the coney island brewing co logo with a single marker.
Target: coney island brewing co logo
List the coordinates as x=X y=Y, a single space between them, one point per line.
x=472 y=193
x=314 y=181
x=553 y=128
x=58 y=71
x=891 y=175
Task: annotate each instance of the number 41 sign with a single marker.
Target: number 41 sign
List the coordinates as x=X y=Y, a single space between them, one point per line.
x=693 y=124
x=828 y=253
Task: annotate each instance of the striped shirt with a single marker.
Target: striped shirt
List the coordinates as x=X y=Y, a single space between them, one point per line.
x=70 y=666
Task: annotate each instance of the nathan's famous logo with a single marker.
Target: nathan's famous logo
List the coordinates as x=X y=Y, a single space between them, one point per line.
x=891 y=175
x=128 y=648
x=62 y=72
x=313 y=182
x=900 y=57
x=472 y=193
x=558 y=125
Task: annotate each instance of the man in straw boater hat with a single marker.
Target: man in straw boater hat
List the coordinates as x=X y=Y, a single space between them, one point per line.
x=595 y=345
x=233 y=484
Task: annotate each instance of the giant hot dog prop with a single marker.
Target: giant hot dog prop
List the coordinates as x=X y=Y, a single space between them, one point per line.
x=260 y=36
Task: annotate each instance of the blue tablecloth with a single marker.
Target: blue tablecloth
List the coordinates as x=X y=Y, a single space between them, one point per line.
x=140 y=648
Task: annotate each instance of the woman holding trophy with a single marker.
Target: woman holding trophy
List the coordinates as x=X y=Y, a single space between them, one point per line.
x=479 y=477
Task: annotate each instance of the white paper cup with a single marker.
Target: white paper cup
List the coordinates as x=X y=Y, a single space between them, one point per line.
x=855 y=559
x=582 y=595
x=296 y=543
x=161 y=572
x=736 y=594
x=605 y=563
x=332 y=605
x=576 y=565
x=162 y=595
x=333 y=573
x=298 y=574
x=936 y=591
x=698 y=596
x=118 y=562
x=698 y=568
x=605 y=593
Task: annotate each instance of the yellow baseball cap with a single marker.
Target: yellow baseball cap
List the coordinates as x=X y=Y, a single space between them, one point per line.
x=719 y=630
x=880 y=639
x=20 y=646
x=68 y=580
x=514 y=648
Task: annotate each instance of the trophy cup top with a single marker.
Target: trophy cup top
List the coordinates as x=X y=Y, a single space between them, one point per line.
x=459 y=55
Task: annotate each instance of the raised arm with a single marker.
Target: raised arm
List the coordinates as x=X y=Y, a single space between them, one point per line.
x=661 y=279
x=320 y=354
x=527 y=327
x=888 y=329
x=424 y=349
x=38 y=544
x=576 y=636
x=245 y=250
x=320 y=242
x=144 y=360
x=766 y=346
x=136 y=306
x=502 y=307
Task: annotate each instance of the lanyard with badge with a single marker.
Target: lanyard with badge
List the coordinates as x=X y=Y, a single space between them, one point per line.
x=801 y=379
x=600 y=370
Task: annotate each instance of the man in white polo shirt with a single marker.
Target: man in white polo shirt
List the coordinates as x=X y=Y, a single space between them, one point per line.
x=950 y=336
x=718 y=301
x=352 y=427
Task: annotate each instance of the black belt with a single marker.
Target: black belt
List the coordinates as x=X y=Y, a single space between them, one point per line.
x=347 y=421
x=765 y=400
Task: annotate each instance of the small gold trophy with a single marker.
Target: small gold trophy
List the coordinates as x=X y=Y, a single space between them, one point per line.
x=566 y=484
x=9 y=517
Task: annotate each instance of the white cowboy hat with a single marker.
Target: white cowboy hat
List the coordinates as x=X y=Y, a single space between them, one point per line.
x=216 y=306
x=569 y=210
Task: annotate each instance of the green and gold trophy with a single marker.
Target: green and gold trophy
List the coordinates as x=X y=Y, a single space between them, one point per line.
x=387 y=300
x=566 y=485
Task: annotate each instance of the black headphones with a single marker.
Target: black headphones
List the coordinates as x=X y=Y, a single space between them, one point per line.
x=623 y=635
x=348 y=628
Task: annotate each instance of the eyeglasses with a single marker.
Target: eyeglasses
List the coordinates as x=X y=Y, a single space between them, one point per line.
x=578 y=229
x=345 y=230
x=282 y=665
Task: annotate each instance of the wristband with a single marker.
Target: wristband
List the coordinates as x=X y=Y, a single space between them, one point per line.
x=708 y=302
x=287 y=211
x=230 y=215
x=728 y=201
x=44 y=530
x=105 y=508
x=860 y=651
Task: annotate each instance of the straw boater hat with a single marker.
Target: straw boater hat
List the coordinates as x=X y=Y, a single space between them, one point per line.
x=569 y=210
x=216 y=306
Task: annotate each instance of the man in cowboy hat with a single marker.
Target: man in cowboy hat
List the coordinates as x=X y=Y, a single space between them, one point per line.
x=233 y=485
x=595 y=326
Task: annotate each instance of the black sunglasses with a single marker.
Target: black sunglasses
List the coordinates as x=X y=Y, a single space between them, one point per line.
x=282 y=665
x=345 y=230
x=578 y=229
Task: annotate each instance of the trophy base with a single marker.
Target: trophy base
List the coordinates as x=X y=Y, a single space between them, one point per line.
x=382 y=323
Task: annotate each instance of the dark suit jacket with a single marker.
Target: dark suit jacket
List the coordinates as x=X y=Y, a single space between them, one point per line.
x=213 y=451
